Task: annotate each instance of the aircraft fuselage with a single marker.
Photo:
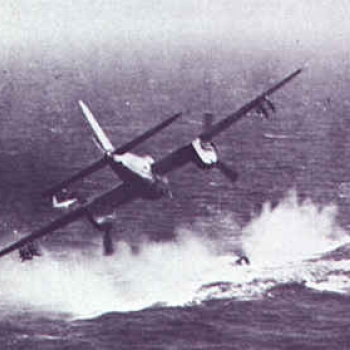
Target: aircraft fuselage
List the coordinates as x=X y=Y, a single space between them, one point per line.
x=137 y=170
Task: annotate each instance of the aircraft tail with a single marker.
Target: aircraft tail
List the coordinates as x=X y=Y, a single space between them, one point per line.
x=106 y=146
x=99 y=135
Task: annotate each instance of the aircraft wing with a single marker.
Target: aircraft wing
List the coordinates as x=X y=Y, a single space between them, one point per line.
x=233 y=118
x=148 y=134
x=81 y=174
x=174 y=160
x=186 y=154
x=116 y=197
x=105 y=160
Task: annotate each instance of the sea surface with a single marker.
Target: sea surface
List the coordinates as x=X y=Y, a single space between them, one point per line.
x=173 y=282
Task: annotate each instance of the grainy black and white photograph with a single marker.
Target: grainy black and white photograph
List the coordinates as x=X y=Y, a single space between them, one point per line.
x=174 y=174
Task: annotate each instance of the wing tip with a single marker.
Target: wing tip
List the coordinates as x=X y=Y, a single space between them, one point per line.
x=177 y=115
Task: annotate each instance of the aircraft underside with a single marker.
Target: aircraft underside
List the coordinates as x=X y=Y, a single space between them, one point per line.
x=141 y=176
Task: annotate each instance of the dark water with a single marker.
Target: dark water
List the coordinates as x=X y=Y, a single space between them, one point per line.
x=291 y=317
x=172 y=283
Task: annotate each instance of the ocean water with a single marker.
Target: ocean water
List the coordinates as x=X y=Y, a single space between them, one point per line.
x=173 y=282
x=188 y=292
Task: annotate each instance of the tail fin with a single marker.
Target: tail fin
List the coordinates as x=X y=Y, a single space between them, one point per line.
x=99 y=134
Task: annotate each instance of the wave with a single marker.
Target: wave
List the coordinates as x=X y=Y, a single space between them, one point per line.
x=294 y=242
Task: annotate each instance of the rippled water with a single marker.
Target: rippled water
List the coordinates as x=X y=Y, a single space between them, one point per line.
x=173 y=282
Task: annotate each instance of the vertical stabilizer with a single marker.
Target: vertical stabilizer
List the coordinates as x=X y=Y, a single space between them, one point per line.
x=99 y=134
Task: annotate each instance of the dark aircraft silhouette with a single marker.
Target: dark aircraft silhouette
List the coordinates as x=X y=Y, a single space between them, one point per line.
x=142 y=176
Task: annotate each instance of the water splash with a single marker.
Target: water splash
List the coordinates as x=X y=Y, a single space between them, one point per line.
x=292 y=231
x=281 y=242
x=90 y=284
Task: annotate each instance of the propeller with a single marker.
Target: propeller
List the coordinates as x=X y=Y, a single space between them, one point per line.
x=208 y=121
x=108 y=248
x=262 y=111
x=264 y=107
x=105 y=225
x=227 y=171
x=270 y=104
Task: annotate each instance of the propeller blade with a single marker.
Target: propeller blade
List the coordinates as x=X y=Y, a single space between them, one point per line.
x=227 y=171
x=108 y=248
x=270 y=104
x=262 y=111
x=208 y=121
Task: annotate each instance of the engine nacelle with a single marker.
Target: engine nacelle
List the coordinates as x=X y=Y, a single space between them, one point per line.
x=149 y=159
x=206 y=153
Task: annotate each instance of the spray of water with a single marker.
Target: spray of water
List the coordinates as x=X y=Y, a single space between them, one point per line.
x=91 y=284
x=292 y=231
x=196 y=266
